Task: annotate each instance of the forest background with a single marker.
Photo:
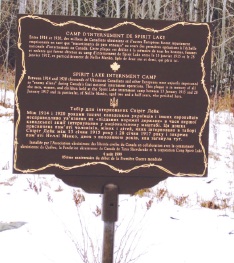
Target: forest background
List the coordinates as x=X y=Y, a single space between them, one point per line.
x=220 y=13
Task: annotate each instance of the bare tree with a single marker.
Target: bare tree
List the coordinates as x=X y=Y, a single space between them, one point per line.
x=95 y=8
x=157 y=9
x=0 y=12
x=191 y=10
x=78 y=7
x=8 y=14
x=143 y=9
x=223 y=35
x=126 y=9
x=198 y=10
x=22 y=6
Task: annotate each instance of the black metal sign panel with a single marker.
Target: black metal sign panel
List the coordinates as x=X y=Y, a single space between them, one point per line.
x=111 y=97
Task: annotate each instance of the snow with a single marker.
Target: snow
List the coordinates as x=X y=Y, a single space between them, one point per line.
x=40 y=222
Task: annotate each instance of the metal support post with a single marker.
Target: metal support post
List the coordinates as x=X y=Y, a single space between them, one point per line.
x=109 y=216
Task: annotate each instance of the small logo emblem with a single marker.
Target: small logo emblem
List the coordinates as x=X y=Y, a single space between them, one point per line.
x=115 y=66
x=114 y=102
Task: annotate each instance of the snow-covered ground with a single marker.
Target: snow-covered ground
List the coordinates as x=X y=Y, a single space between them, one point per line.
x=179 y=220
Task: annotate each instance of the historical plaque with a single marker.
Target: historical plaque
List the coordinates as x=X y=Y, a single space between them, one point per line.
x=111 y=98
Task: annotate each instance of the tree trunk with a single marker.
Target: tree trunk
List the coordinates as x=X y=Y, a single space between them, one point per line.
x=191 y=10
x=136 y=8
x=223 y=35
x=78 y=7
x=22 y=6
x=126 y=9
x=143 y=12
x=165 y=9
x=67 y=8
x=198 y=10
x=117 y=3
x=49 y=7
x=40 y=8
x=6 y=66
x=95 y=8
x=208 y=11
x=157 y=9
x=6 y=59
x=107 y=9
x=173 y=10
x=0 y=13
x=72 y=9
x=150 y=9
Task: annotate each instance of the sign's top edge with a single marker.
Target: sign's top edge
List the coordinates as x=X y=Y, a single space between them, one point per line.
x=169 y=22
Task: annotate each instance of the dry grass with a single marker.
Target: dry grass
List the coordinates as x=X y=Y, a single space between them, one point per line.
x=78 y=197
x=181 y=200
x=223 y=103
x=219 y=201
x=161 y=193
x=210 y=204
x=59 y=189
x=143 y=192
x=98 y=211
x=35 y=186
x=9 y=81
